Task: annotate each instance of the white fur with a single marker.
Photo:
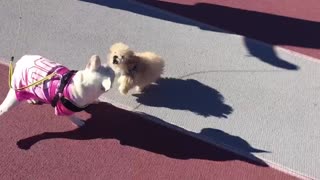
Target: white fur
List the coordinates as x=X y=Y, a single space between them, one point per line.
x=86 y=87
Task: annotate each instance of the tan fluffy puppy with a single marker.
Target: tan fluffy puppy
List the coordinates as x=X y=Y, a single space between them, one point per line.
x=136 y=69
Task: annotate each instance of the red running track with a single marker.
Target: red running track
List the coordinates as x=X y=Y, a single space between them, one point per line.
x=292 y=24
x=114 y=144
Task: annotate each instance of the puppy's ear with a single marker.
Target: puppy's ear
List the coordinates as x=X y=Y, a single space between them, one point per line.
x=119 y=46
x=106 y=84
x=94 y=63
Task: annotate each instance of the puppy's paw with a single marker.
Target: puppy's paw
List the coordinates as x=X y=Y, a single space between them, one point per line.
x=139 y=89
x=123 y=91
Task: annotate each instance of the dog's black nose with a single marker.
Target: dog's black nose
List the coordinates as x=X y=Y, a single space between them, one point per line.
x=115 y=60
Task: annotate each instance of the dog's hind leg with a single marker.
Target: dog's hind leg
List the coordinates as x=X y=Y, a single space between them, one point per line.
x=9 y=102
x=140 y=88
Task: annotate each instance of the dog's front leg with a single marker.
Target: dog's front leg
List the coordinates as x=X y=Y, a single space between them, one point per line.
x=76 y=120
x=126 y=83
x=9 y=102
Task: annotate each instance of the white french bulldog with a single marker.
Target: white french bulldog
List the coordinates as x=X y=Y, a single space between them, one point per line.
x=67 y=91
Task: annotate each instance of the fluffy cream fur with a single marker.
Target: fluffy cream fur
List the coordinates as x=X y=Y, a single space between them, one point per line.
x=136 y=69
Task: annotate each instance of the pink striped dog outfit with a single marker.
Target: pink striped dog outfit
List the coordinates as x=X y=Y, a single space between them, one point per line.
x=32 y=68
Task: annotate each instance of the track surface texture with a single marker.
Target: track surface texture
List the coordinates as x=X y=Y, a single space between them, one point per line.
x=114 y=144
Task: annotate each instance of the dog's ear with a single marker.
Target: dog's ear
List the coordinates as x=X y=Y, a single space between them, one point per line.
x=94 y=63
x=106 y=84
x=119 y=46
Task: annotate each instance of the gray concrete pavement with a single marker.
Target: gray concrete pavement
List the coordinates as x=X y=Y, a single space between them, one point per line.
x=226 y=89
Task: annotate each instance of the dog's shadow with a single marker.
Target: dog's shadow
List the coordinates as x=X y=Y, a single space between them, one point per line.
x=189 y=94
x=131 y=129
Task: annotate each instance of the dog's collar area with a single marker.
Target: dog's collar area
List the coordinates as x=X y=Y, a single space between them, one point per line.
x=69 y=105
x=59 y=94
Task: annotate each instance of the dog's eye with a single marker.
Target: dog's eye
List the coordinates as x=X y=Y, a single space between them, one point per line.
x=115 y=57
x=122 y=57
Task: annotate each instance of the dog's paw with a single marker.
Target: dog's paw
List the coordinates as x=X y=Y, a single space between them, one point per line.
x=123 y=91
x=139 y=89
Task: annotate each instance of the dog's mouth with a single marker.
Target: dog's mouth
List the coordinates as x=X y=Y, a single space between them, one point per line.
x=115 y=60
